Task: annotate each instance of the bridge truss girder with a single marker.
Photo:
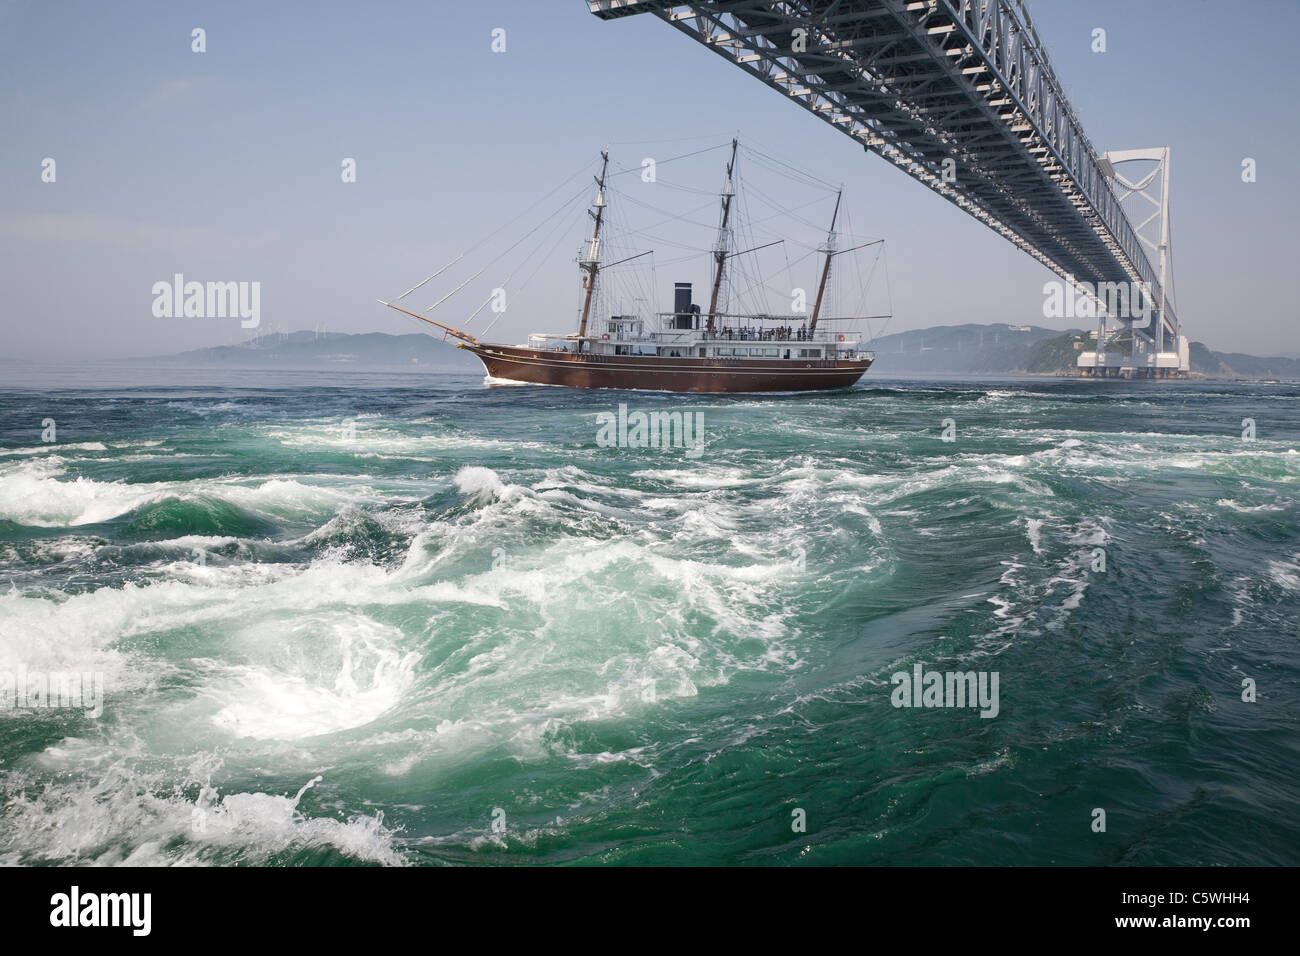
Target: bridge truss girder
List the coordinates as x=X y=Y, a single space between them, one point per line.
x=922 y=82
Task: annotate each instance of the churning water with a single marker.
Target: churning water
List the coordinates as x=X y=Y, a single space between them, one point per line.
x=412 y=620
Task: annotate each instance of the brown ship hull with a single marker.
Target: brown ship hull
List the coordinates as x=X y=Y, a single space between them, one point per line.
x=659 y=373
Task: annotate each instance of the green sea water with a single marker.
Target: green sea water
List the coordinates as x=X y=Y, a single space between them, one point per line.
x=357 y=619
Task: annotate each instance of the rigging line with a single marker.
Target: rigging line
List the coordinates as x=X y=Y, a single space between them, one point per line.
x=541 y=262
x=788 y=182
x=788 y=214
x=639 y=277
x=622 y=168
x=860 y=302
x=455 y=290
x=672 y=216
x=798 y=172
x=673 y=262
x=789 y=275
x=789 y=264
x=682 y=216
x=783 y=210
x=628 y=283
x=701 y=250
x=775 y=215
x=679 y=139
x=561 y=229
x=686 y=189
x=756 y=280
x=785 y=215
x=628 y=195
x=744 y=235
x=786 y=178
x=517 y=242
x=871 y=273
x=480 y=308
x=654 y=282
x=776 y=292
x=889 y=296
x=584 y=168
x=555 y=226
x=673 y=159
x=863 y=288
x=434 y=276
x=745 y=238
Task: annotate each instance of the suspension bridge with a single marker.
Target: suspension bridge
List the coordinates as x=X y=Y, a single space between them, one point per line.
x=961 y=96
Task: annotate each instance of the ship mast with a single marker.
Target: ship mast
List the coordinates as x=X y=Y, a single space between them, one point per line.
x=592 y=263
x=720 y=253
x=826 y=268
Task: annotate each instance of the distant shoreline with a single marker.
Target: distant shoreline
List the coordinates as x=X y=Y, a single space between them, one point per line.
x=970 y=351
x=21 y=376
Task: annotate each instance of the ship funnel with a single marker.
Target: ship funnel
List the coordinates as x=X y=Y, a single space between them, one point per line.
x=682 y=298
x=685 y=315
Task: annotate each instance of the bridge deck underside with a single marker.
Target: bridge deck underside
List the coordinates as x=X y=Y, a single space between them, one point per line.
x=915 y=83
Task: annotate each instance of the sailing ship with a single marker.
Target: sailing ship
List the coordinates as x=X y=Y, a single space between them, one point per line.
x=688 y=349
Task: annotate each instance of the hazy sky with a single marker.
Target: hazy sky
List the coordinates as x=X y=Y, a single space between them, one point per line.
x=225 y=165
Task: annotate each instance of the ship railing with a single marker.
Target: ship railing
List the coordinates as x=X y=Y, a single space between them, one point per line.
x=834 y=341
x=794 y=334
x=564 y=341
x=673 y=336
x=842 y=339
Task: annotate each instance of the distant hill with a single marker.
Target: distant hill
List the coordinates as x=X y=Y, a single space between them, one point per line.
x=955 y=349
x=1237 y=365
x=325 y=349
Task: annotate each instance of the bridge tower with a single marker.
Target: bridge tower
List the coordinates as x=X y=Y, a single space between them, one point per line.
x=1155 y=348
